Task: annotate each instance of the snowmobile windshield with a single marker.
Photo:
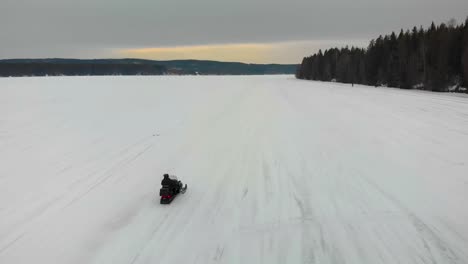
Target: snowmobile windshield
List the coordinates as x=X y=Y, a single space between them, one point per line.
x=173 y=177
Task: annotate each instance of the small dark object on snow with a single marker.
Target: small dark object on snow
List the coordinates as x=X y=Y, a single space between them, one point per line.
x=171 y=187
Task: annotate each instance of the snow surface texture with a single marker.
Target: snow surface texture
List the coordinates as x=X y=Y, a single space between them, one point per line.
x=279 y=171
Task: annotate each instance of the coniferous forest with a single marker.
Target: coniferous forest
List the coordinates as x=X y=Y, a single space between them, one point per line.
x=434 y=59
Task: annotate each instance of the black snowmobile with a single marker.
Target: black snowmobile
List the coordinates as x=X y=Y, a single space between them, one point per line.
x=171 y=187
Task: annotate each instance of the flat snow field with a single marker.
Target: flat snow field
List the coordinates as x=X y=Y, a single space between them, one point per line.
x=279 y=171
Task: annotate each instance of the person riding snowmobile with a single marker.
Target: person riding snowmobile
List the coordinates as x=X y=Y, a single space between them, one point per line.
x=171 y=182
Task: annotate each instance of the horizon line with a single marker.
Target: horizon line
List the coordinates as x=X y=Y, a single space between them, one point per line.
x=141 y=59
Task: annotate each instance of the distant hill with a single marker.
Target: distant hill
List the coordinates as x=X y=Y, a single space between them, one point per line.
x=226 y=68
x=76 y=67
x=17 y=68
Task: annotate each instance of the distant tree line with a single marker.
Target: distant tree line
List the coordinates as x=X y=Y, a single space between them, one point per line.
x=435 y=59
x=16 y=69
x=75 y=67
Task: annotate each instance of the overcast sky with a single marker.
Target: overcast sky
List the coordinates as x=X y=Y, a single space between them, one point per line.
x=246 y=30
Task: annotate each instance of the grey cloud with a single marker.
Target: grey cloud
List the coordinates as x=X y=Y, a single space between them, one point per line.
x=35 y=28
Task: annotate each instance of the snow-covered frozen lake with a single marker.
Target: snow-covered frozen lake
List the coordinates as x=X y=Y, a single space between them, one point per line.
x=279 y=171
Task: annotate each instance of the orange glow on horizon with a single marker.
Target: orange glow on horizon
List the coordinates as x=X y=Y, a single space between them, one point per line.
x=249 y=53
x=290 y=52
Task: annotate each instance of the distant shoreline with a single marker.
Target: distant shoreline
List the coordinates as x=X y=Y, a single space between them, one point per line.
x=129 y=67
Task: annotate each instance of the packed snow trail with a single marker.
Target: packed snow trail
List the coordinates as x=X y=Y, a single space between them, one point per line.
x=279 y=171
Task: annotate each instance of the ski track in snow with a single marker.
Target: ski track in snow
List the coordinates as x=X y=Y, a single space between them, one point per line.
x=279 y=171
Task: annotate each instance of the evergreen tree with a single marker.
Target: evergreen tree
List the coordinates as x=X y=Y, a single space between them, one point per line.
x=464 y=62
x=433 y=59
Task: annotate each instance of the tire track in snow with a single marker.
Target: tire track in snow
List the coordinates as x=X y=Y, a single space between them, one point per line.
x=151 y=236
x=108 y=174
x=307 y=217
x=119 y=153
x=28 y=220
x=428 y=236
x=12 y=242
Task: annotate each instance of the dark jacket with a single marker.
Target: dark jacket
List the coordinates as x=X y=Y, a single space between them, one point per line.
x=167 y=182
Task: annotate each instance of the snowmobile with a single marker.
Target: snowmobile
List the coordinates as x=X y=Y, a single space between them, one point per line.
x=168 y=194
x=170 y=189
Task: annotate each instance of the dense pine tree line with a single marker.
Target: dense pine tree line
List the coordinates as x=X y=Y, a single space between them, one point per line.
x=433 y=59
